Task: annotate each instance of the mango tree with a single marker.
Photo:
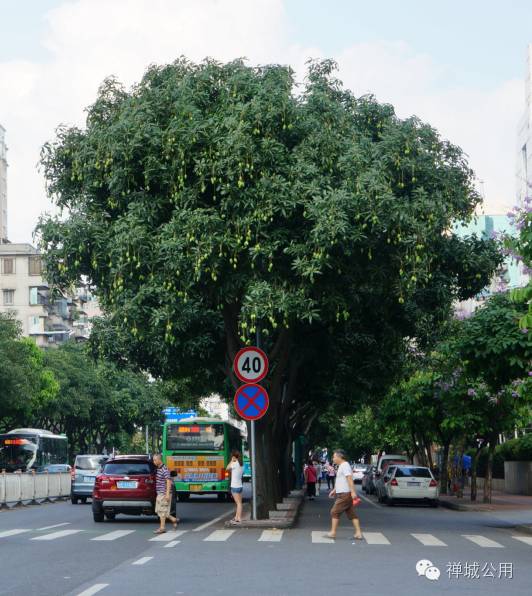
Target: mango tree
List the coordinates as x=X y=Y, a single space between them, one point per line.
x=214 y=200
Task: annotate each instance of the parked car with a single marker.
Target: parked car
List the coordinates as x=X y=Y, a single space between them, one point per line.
x=125 y=485
x=368 y=480
x=358 y=472
x=410 y=483
x=86 y=468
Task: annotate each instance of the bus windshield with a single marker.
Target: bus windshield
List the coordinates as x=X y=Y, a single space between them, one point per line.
x=195 y=437
x=16 y=453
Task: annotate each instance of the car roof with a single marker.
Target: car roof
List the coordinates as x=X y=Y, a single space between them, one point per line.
x=129 y=458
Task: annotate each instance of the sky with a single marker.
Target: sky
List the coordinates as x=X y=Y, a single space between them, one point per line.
x=458 y=65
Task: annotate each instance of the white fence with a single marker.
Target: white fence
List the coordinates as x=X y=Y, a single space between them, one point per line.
x=27 y=488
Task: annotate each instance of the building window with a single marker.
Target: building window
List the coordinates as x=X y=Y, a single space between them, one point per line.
x=9 y=297
x=34 y=296
x=35 y=265
x=34 y=324
x=8 y=265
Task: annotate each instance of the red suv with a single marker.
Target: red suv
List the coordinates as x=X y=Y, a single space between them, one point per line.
x=126 y=485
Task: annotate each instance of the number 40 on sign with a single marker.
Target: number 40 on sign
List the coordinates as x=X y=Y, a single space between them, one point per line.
x=251 y=365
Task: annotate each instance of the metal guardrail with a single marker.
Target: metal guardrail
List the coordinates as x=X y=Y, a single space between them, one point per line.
x=31 y=488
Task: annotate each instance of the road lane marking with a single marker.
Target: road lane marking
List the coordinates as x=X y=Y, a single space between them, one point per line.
x=219 y=536
x=482 y=541
x=173 y=543
x=168 y=536
x=93 y=590
x=213 y=521
x=113 y=535
x=368 y=500
x=428 y=540
x=142 y=561
x=375 y=538
x=321 y=538
x=54 y=526
x=56 y=535
x=12 y=533
x=525 y=539
x=271 y=536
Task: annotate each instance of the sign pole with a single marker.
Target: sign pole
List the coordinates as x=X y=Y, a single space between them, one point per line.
x=254 y=456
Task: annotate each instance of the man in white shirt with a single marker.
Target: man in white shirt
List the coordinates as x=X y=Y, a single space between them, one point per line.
x=344 y=492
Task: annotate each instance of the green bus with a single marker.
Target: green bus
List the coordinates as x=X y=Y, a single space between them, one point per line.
x=197 y=451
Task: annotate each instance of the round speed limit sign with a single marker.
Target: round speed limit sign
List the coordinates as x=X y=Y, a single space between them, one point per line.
x=251 y=365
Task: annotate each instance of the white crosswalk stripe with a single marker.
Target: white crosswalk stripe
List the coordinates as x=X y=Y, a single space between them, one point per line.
x=7 y=533
x=93 y=590
x=219 y=536
x=428 y=540
x=271 y=536
x=142 y=561
x=114 y=535
x=169 y=536
x=56 y=535
x=375 y=538
x=525 y=539
x=171 y=544
x=482 y=541
x=321 y=538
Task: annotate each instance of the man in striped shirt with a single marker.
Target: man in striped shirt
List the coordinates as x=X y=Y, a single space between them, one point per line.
x=163 y=488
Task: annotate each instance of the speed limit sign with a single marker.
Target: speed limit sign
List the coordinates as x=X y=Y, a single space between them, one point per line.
x=251 y=365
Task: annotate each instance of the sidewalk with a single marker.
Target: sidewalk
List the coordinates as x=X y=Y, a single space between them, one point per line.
x=499 y=502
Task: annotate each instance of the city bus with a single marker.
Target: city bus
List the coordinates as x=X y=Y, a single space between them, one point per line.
x=27 y=449
x=197 y=452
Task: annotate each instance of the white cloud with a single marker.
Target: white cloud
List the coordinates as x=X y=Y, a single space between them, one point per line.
x=87 y=40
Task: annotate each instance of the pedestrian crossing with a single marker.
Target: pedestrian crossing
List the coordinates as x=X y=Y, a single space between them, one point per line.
x=172 y=539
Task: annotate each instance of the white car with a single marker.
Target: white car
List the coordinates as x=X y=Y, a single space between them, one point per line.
x=410 y=482
x=358 y=472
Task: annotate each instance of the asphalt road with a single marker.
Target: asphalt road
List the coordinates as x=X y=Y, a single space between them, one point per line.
x=209 y=559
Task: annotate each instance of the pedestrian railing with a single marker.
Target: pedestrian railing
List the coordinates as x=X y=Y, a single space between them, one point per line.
x=25 y=488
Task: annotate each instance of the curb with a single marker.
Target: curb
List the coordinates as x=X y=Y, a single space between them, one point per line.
x=285 y=515
x=460 y=507
x=526 y=529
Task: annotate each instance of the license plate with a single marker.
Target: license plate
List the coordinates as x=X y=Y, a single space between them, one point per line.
x=196 y=486
x=88 y=479
x=125 y=484
x=413 y=484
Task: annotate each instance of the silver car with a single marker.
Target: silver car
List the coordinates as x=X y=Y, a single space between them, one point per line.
x=86 y=468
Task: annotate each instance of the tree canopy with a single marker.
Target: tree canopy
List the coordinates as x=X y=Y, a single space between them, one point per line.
x=214 y=200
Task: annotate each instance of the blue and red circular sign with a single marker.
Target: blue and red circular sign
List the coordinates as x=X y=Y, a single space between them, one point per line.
x=251 y=401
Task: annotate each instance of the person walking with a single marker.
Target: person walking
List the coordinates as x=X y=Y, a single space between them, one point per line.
x=317 y=465
x=331 y=475
x=344 y=493
x=310 y=479
x=163 y=488
x=237 y=469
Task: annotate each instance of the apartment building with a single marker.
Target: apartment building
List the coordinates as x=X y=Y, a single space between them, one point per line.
x=48 y=319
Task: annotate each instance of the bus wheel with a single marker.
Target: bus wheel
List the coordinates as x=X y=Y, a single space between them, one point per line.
x=74 y=500
x=183 y=496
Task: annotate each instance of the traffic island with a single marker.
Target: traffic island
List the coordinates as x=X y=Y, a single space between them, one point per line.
x=284 y=516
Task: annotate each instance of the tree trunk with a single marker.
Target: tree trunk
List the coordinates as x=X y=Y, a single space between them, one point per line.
x=489 y=472
x=474 y=467
x=444 y=476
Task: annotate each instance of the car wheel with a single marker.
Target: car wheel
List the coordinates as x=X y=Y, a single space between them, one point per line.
x=390 y=502
x=98 y=516
x=434 y=503
x=84 y=500
x=110 y=516
x=183 y=496
x=74 y=500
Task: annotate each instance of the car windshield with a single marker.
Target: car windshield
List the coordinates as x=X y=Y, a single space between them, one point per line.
x=87 y=462
x=412 y=472
x=127 y=468
x=193 y=436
